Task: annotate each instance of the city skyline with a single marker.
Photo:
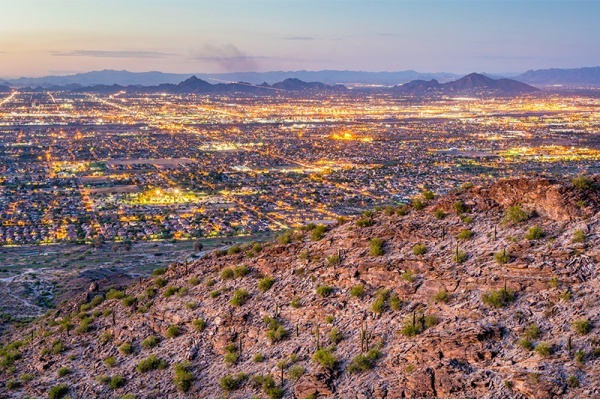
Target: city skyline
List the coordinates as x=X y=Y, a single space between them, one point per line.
x=233 y=36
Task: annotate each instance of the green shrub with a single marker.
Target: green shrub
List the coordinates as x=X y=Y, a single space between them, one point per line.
x=12 y=384
x=465 y=234
x=63 y=371
x=241 y=271
x=296 y=372
x=459 y=207
x=58 y=391
x=428 y=194
x=441 y=296
x=502 y=256
x=439 y=213
x=402 y=210
x=335 y=335
x=364 y=362
x=230 y=382
x=160 y=282
x=199 y=325
x=325 y=358
x=149 y=342
x=57 y=347
x=97 y=300
x=172 y=331
x=258 y=357
x=334 y=259
x=543 y=349
x=329 y=319
x=324 y=290
x=114 y=294
x=126 y=349
x=534 y=233
x=170 y=291
x=285 y=237
x=395 y=302
x=296 y=303
x=318 y=233
x=365 y=221
x=276 y=332
x=151 y=363
x=376 y=247
x=526 y=344
x=408 y=276
x=573 y=381
x=579 y=357
x=183 y=377
x=579 y=236
x=498 y=298
x=240 y=296
x=565 y=295
x=381 y=298
x=533 y=332
x=582 y=326
x=105 y=337
x=357 y=290
x=582 y=182
x=26 y=377
x=150 y=293
x=418 y=204
x=265 y=283
x=116 y=382
x=419 y=249
x=110 y=361
x=215 y=293
x=459 y=257
x=235 y=249
x=193 y=281
x=514 y=215
x=227 y=273
x=159 y=271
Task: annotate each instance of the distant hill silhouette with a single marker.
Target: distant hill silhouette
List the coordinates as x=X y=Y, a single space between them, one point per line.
x=568 y=77
x=472 y=83
x=4 y=89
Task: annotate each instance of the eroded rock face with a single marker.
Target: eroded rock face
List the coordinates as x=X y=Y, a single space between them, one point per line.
x=472 y=348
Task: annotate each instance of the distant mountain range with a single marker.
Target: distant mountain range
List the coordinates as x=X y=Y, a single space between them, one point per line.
x=126 y=78
x=470 y=84
x=567 y=77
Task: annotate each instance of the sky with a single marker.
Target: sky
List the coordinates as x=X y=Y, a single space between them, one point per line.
x=60 y=37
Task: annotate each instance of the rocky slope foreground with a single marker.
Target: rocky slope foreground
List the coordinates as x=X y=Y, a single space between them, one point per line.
x=348 y=316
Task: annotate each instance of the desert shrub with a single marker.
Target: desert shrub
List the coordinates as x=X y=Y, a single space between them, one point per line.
x=465 y=234
x=498 y=298
x=526 y=344
x=159 y=271
x=199 y=325
x=395 y=302
x=582 y=182
x=116 y=382
x=581 y=326
x=172 y=331
x=265 y=283
x=258 y=357
x=296 y=372
x=543 y=349
x=241 y=271
x=57 y=347
x=565 y=295
x=149 y=342
x=151 y=363
x=285 y=237
x=230 y=382
x=193 y=281
x=579 y=236
x=110 y=361
x=573 y=381
x=335 y=335
x=502 y=256
x=215 y=293
x=428 y=194
x=296 y=303
x=419 y=249
x=159 y=282
x=275 y=332
x=534 y=233
x=97 y=300
x=170 y=291
x=357 y=290
x=150 y=293
x=324 y=290
x=26 y=377
x=364 y=362
x=514 y=215
x=329 y=319
x=268 y=386
x=318 y=233
x=413 y=326
x=240 y=296
x=459 y=257
x=441 y=296
x=402 y=210
x=380 y=302
x=408 y=276
x=417 y=204
x=227 y=273
x=105 y=337
x=439 y=213
x=63 y=371
x=579 y=357
x=114 y=294
x=235 y=249
x=58 y=391
x=325 y=358
x=459 y=207
x=126 y=349
x=183 y=377
x=533 y=332
x=376 y=247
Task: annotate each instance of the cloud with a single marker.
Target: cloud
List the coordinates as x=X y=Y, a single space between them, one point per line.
x=304 y=38
x=112 y=54
x=228 y=57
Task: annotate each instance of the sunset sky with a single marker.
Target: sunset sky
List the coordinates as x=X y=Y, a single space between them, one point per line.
x=41 y=37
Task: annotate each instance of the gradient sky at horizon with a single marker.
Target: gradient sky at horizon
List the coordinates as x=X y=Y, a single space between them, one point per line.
x=41 y=37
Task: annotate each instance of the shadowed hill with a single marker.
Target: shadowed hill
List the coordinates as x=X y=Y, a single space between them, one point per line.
x=486 y=292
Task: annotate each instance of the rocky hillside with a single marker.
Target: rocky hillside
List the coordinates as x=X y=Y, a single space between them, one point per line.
x=486 y=292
